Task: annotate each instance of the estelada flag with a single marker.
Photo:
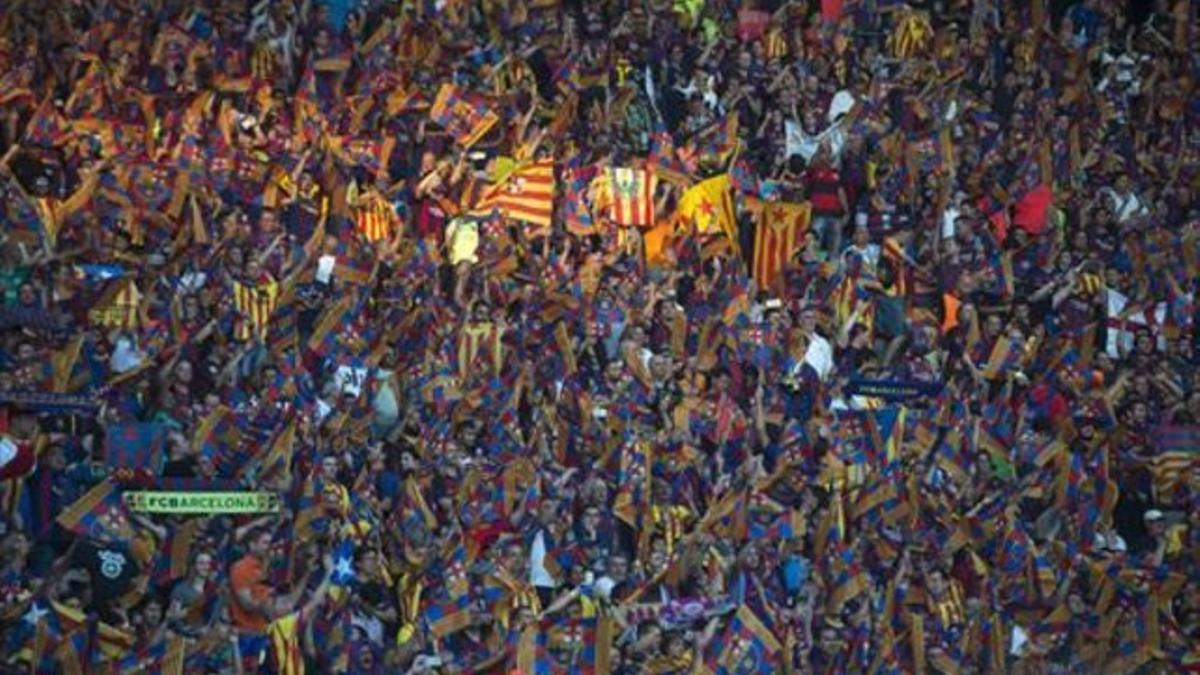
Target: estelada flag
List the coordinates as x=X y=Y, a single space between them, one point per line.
x=463 y=115
x=709 y=205
x=781 y=228
x=255 y=302
x=1177 y=454
x=526 y=194
x=632 y=196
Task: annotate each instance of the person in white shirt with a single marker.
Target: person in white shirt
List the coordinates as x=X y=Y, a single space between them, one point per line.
x=819 y=353
x=861 y=246
x=1124 y=203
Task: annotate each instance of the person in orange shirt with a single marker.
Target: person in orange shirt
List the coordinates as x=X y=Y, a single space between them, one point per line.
x=255 y=604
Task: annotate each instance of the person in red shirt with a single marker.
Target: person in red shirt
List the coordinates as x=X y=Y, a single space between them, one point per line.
x=828 y=198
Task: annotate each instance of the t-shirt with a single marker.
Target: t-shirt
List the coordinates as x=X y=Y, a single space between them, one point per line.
x=248 y=573
x=823 y=185
x=385 y=403
x=111 y=568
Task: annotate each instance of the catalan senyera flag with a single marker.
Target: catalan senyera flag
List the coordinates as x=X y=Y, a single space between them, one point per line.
x=709 y=205
x=781 y=228
x=375 y=218
x=464 y=116
x=255 y=302
x=526 y=194
x=632 y=196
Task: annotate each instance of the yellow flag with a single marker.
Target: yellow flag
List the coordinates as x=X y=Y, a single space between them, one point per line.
x=709 y=205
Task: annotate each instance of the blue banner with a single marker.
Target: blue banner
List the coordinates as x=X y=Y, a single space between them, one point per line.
x=893 y=390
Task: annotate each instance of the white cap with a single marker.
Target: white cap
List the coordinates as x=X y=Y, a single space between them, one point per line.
x=1152 y=514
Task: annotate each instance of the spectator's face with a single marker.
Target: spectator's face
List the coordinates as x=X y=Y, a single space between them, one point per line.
x=547 y=511
x=613 y=371
x=1145 y=344
x=618 y=568
x=260 y=546
x=993 y=325
x=152 y=615
x=183 y=371
x=591 y=518
x=808 y=322
x=27 y=295
x=1140 y=413
x=514 y=558
x=329 y=466
x=861 y=236
x=204 y=565
x=469 y=436
x=369 y=563
x=937 y=583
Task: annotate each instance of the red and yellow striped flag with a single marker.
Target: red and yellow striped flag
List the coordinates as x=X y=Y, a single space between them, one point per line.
x=781 y=228
x=527 y=194
x=632 y=196
x=375 y=218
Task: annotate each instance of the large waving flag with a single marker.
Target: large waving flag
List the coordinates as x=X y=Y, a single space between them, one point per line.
x=135 y=445
x=287 y=653
x=1176 y=459
x=781 y=228
x=451 y=612
x=709 y=206
x=577 y=202
x=527 y=194
x=663 y=160
x=1123 y=321
x=119 y=306
x=463 y=115
x=47 y=126
x=98 y=514
x=219 y=438
x=633 y=483
x=632 y=196
x=747 y=647
x=718 y=143
x=255 y=303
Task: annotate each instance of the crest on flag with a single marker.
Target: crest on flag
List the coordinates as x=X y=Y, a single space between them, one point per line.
x=747 y=646
x=464 y=116
x=632 y=196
